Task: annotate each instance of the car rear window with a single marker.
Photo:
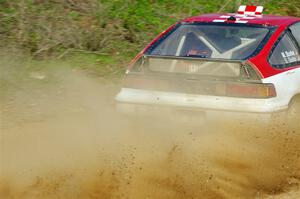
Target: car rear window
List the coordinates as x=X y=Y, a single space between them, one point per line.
x=211 y=41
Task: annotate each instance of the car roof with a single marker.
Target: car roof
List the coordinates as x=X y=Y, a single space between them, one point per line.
x=266 y=20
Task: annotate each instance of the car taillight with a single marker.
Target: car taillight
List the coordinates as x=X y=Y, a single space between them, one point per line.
x=250 y=90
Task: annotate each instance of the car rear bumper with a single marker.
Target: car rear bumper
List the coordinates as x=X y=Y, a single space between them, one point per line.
x=194 y=107
x=189 y=101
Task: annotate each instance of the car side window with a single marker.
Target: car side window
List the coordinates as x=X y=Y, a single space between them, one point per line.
x=295 y=29
x=286 y=53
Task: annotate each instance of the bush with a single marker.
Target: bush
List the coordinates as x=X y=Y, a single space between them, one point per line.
x=50 y=27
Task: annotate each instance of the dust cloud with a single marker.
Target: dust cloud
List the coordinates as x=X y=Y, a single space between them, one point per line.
x=62 y=138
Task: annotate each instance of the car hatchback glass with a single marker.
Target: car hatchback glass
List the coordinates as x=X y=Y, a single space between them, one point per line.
x=211 y=41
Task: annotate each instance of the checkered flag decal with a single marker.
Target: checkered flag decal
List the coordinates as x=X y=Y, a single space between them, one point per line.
x=251 y=10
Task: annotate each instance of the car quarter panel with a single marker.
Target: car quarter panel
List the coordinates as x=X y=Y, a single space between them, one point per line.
x=287 y=85
x=140 y=96
x=260 y=61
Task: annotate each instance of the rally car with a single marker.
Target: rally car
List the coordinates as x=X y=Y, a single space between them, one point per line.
x=243 y=62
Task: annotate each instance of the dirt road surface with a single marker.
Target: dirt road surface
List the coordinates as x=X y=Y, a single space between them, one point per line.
x=61 y=138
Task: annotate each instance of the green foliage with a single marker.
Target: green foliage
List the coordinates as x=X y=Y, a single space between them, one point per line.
x=119 y=27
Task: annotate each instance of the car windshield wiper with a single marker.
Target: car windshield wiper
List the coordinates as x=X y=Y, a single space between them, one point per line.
x=199 y=56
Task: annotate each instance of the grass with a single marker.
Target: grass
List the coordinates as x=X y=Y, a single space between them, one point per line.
x=101 y=36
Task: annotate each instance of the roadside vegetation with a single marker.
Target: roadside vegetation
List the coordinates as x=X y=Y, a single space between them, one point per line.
x=102 y=35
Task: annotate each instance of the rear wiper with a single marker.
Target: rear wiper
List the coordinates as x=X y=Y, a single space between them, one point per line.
x=199 y=56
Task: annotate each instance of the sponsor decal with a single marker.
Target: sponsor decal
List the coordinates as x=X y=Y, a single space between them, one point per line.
x=289 y=56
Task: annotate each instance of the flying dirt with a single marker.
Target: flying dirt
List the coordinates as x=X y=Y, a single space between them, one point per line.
x=62 y=138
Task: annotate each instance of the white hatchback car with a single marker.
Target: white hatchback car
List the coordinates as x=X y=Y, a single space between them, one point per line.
x=235 y=63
